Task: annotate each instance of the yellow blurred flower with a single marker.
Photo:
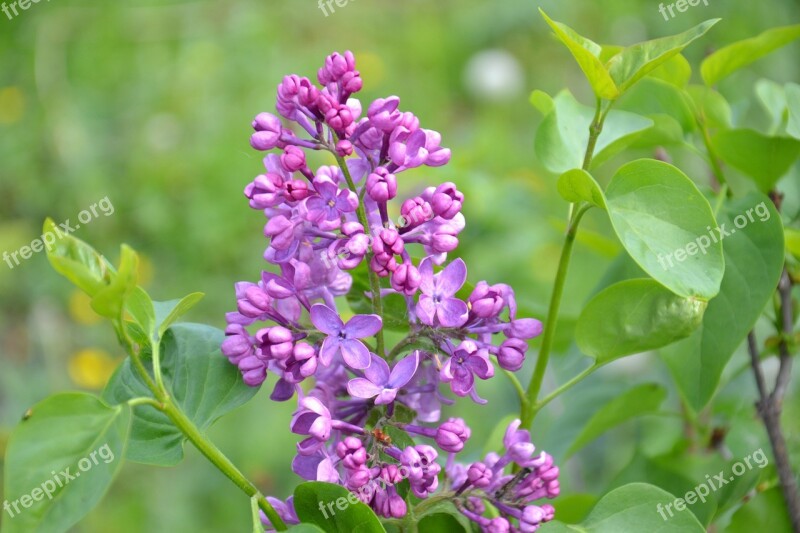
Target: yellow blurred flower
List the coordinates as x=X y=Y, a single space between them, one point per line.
x=12 y=105
x=90 y=368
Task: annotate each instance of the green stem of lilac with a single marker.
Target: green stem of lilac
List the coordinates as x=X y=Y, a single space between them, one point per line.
x=163 y=402
x=528 y=411
x=374 y=282
x=564 y=388
x=548 y=337
x=221 y=461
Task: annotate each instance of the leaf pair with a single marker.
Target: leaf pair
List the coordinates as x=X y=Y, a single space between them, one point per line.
x=612 y=78
x=663 y=221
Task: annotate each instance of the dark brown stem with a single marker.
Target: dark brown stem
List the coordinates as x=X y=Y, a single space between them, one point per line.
x=769 y=409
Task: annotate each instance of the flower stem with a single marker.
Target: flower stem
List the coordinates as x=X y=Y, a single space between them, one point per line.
x=218 y=459
x=374 y=282
x=564 y=388
x=528 y=411
x=535 y=385
x=163 y=402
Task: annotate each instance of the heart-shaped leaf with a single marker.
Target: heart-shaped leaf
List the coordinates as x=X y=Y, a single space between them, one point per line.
x=633 y=507
x=663 y=222
x=577 y=185
x=563 y=134
x=754 y=256
x=201 y=380
x=635 y=316
x=764 y=159
x=61 y=460
x=334 y=508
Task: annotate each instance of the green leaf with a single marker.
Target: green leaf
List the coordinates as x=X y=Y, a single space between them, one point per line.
x=577 y=185
x=764 y=159
x=765 y=512
x=442 y=517
x=710 y=107
x=334 y=509
x=575 y=507
x=740 y=54
x=140 y=307
x=542 y=102
x=586 y=53
x=201 y=380
x=676 y=71
x=638 y=401
x=442 y=523
x=75 y=435
x=793 y=104
x=166 y=313
x=563 y=134
x=658 y=214
x=655 y=97
x=305 y=528
x=793 y=242
x=633 y=507
x=635 y=62
x=76 y=260
x=754 y=258
x=677 y=473
x=109 y=300
x=772 y=97
x=635 y=316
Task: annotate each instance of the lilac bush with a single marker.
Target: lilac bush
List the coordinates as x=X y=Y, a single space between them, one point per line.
x=322 y=227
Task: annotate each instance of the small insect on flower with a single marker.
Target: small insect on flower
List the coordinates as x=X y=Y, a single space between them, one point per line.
x=381 y=437
x=502 y=491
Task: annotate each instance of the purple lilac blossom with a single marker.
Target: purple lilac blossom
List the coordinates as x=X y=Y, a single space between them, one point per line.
x=323 y=228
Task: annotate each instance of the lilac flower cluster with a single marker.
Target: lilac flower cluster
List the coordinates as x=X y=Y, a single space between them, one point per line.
x=323 y=224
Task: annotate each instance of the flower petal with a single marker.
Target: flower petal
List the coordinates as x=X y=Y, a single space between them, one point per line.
x=404 y=371
x=452 y=313
x=386 y=396
x=325 y=319
x=378 y=371
x=355 y=353
x=363 y=388
x=361 y=326
x=480 y=364
x=330 y=347
x=452 y=278
x=426 y=309
x=426 y=272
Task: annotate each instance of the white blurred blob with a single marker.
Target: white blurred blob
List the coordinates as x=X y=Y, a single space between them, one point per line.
x=162 y=132
x=494 y=74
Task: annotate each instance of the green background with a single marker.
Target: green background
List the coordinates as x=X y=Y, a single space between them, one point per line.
x=150 y=103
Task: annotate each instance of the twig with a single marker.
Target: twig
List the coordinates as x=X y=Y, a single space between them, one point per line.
x=770 y=410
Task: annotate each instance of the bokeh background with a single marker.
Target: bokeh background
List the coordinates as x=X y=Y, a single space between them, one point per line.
x=148 y=103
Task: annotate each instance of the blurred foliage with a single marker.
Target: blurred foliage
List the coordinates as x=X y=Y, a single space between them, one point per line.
x=149 y=103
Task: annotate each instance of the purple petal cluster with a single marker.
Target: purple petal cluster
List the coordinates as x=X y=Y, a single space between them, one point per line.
x=356 y=399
